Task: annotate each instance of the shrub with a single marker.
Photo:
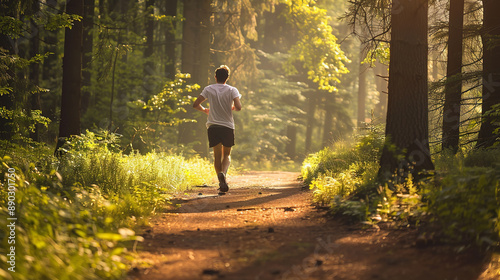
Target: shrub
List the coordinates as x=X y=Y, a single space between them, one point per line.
x=466 y=205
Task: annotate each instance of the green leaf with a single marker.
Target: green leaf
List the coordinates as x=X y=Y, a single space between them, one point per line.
x=109 y=236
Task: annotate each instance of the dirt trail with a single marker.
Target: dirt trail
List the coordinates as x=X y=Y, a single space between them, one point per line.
x=266 y=228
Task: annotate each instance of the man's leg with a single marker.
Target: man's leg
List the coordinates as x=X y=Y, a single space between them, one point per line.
x=226 y=159
x=218 y=158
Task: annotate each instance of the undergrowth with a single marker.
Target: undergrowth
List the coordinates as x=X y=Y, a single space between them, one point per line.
x=460 y=202
x=343 y=169
x=76 y=215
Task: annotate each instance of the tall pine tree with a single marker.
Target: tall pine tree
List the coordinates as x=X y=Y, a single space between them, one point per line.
x=407 y=112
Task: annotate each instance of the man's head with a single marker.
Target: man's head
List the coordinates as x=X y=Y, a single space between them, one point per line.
x=222 y=74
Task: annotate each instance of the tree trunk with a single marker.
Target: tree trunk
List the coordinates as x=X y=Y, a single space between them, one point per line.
x=88 y=43
x=72 y=74
x=328 y=122
x=34 y=74
x=149 y=66
x=381 y=76
x=291 y=134
x=149 y=31
x=204 y=14
x=407 y=112
x=488 y=132
x=274 y=29
x=310 y=122
x=7 y=100
x=196 y=60
x=362 y=88
x=189 y=52
x=453 y=87
x=103 y=13
x=171 y=10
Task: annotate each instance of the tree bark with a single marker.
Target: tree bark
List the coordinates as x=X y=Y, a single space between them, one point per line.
x=488 y=133
x=328 y=122
x=310 y=122
x=149 y=69
x=291 y=134
x=88 y=43
x=362 y=88
x=196 y=61
x=149 y=31
x=72 y=74
x=381 y=76
x=189 y=33
x=407 y=112
x=453 y=87
x=34 y=74
x=7 y=100
x=171 y=10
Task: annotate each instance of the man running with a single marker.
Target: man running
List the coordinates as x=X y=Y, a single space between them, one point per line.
x=223 y=99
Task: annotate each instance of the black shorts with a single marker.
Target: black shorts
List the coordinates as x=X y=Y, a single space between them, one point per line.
x=220 y=134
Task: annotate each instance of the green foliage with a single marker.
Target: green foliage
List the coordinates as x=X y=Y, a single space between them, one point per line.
x=483 y=158
x=95 y=159
x=344 y=171
x=360 y=159
x=75 y=216
x=464 y=201
x=401 y=203
x=382 y=54
x=60 y=237
x=328 y=186
x=345 y=178
x=171 y=100
x=56 y=21
x=22 y=121
x=10 y=26
x=461 y=201
x=316 y=48
x=466 y=205
x=494 y=118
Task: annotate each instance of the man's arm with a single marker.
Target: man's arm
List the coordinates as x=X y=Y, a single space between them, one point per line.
x=197 y=104
x=237 y=104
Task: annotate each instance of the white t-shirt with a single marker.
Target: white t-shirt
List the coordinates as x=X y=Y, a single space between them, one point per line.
x=220 y=97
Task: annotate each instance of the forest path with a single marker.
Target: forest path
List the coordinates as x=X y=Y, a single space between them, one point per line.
x=266 y=228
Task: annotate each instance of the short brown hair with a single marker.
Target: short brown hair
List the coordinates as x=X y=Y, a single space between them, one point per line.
x=222 y=73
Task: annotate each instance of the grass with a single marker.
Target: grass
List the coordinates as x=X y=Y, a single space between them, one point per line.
x=76 y=214
x=343 y=169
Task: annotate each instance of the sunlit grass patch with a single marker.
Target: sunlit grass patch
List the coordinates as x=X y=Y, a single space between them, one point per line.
x=76 y=214
x=344 y=168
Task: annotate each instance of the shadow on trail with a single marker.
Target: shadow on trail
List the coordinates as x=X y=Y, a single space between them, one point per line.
x=328 y=256
x=236 y=199
x=323 y=251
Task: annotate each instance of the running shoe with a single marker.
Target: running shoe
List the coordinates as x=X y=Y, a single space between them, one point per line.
x=223 y=187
